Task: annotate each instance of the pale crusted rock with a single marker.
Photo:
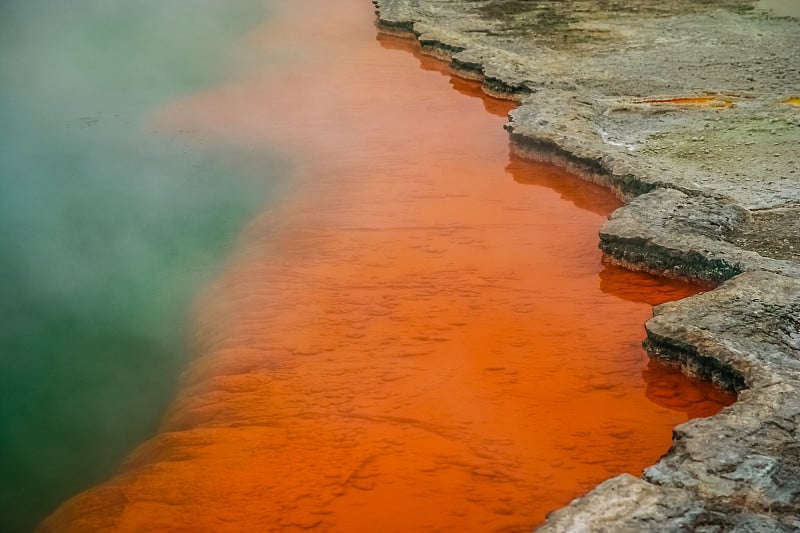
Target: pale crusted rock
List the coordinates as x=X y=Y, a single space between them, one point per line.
x=627 y=504
x=598 y=78
x=747 y=456
x=670 y=233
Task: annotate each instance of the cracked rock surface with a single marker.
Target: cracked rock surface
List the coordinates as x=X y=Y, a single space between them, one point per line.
x=689 y=112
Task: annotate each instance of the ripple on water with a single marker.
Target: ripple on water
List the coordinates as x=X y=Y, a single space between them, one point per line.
x=431 y=341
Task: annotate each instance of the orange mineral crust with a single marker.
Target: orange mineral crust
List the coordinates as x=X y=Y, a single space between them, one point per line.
x=692 y=101
x=421 y=336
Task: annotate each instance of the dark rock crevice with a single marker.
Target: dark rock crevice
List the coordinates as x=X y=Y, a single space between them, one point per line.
x=693 y=363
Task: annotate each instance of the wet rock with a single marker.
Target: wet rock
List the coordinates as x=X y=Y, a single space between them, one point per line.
x=668 y=232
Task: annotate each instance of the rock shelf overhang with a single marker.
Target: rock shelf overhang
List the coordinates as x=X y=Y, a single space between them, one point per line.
x=712 y=183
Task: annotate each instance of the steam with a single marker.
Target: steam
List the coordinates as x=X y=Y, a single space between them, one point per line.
x=106 y=229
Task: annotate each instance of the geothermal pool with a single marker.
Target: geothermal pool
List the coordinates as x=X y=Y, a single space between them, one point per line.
x=419 y=334
x=107 y=232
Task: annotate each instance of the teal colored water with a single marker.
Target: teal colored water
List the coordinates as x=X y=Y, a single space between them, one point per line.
x=107 y=229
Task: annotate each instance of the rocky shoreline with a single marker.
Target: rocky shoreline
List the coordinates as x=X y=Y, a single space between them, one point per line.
x=686 y=111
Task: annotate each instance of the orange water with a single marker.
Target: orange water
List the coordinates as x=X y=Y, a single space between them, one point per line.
x=421 y=337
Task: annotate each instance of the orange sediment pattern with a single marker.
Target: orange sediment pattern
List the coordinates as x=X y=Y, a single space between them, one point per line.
x=699 y=101
x=420 y=337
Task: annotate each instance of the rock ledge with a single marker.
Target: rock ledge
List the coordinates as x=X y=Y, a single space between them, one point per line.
x=685 y=111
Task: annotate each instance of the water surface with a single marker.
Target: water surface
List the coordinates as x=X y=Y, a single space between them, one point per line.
x=107 y=229
x=420 y=336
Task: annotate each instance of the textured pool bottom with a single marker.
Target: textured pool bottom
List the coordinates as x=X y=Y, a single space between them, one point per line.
x=431 y=342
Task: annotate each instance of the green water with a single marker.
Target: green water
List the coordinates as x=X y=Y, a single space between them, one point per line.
x=106 y=230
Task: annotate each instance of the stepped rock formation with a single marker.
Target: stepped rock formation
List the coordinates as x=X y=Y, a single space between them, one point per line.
x=688 y=111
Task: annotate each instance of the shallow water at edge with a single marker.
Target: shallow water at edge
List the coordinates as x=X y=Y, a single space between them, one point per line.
x=419 y=336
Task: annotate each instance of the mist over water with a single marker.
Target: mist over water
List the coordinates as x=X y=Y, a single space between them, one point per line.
x=419 y=334
x=108 y=228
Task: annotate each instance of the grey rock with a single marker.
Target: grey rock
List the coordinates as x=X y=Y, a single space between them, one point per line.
x=749 y=454
x=670 y=233
x=628 y=504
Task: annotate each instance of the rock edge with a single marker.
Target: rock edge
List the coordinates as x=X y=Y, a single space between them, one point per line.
x=738 y=470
